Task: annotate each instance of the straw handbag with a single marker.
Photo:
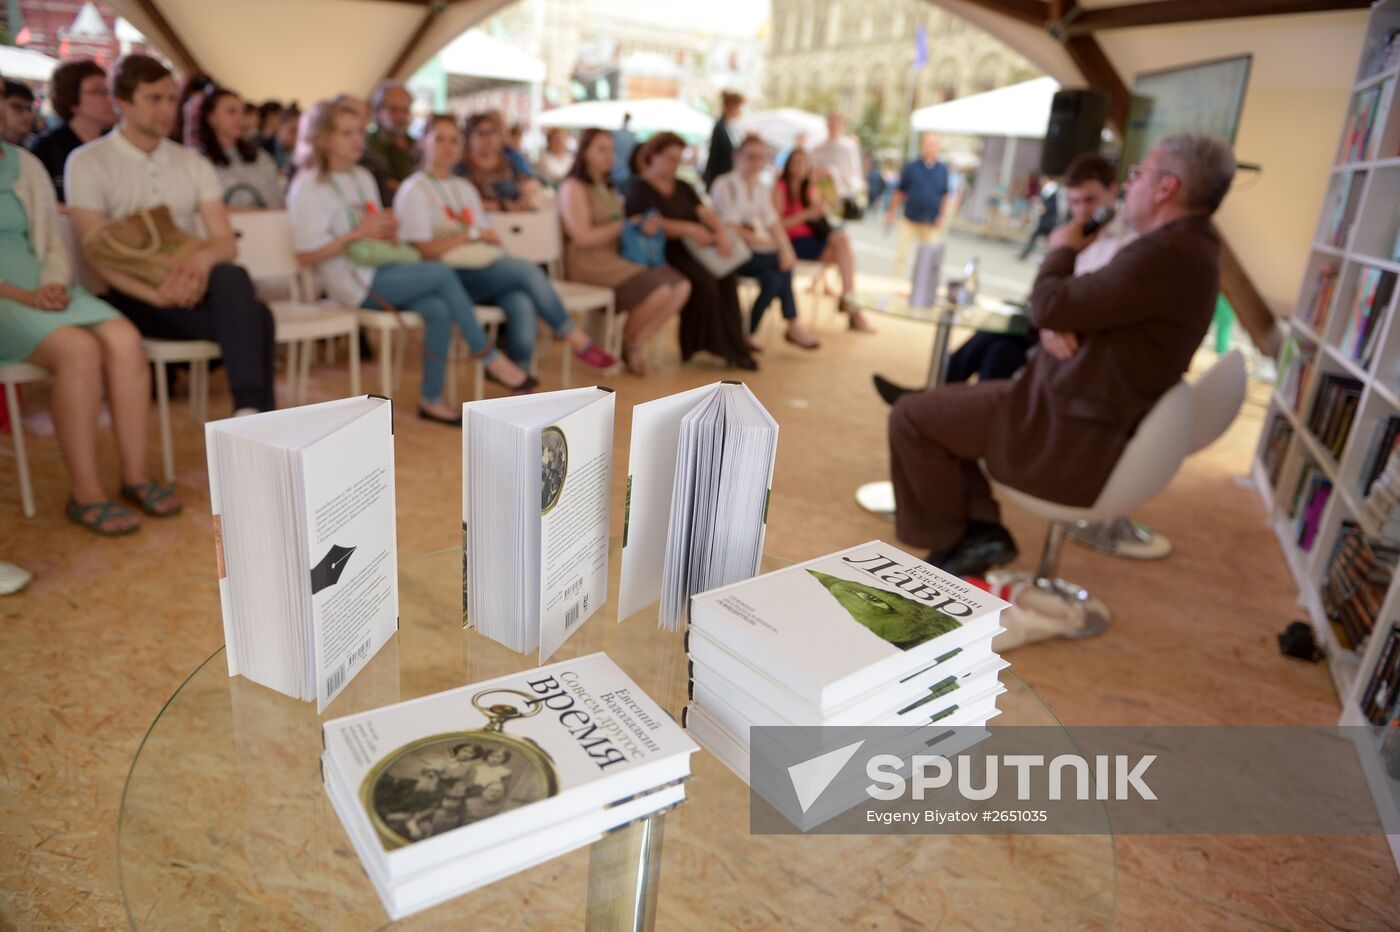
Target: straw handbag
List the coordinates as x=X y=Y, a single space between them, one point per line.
x=145 y=245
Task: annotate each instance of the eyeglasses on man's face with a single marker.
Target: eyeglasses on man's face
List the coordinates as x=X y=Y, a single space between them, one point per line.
x=1137 y=171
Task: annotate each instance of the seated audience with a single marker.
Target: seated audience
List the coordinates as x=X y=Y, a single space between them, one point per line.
x=19 y=114
x=333 y=205
x=247 y=174
x=1128 y=332
x=439 y=212
x=192 y=92
x=251 y=122
x=515 y=146
x=87 y=346
x=591 y=211
x=500 y=183
x=284 y=140
x=745 y=203
x=204 y=297
x=389 y=153
x=83 y=102
x=556 y=160
x=812 y=235
x=710 y=319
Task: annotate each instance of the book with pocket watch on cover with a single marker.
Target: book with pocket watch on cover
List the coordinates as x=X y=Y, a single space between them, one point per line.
x=445 y=793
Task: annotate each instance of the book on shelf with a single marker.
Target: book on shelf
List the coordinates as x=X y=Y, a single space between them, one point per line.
x=1319 y=304
x=1310 y=497
x=1381 y=55
x=699 y=475
x=536 y=483
x=1295 y=365
x=1358 y=574
x=1381 y=693
x=1334 y=408
x=1275 y=447
x=1356 y=142
x=1382 y=501
x=1384 y=437
x=1374 y=288
x=304 y=530
x=1343 y=195
x=445 y=793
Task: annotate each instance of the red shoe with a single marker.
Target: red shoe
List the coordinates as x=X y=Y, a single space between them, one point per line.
x=595 y=356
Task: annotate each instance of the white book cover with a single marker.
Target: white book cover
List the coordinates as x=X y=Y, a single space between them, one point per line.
x=699 y=476
x=446 y=775
x=836 y=627
x=306 y=545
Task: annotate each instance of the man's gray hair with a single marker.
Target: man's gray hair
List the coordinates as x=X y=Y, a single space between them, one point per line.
x=1205 y=165
x=383 y=89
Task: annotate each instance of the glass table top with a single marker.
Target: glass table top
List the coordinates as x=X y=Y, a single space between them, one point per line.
x=224 y=822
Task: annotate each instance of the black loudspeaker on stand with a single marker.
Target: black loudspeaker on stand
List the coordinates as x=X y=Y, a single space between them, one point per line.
x=1076 y=125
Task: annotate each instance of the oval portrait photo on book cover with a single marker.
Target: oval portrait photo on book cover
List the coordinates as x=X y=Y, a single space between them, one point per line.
x=554 y=467
x=446 y=781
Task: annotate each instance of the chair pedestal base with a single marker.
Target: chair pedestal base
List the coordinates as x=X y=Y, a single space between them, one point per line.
x=1087 y=616
x=1123 y=538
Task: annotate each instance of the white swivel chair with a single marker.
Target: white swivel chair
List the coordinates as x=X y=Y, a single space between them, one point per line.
x=265 y=249
x=1219 y=395
x=1146 y=467
x=11 y=376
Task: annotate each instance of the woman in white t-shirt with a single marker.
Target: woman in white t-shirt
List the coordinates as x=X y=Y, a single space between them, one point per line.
x=441 y=216
x=333 y=204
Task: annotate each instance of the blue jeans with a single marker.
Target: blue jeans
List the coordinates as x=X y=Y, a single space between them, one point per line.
x=522 y=290
x=432 y=291
x=772 y=283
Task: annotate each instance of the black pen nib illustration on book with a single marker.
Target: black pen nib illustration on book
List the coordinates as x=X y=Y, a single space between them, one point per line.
x=895 y=618
x=327 y=572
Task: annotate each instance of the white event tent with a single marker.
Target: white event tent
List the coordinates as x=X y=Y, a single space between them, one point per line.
x=649 y=115
x=781 y=127
x=1019 y=110
x=25 y=65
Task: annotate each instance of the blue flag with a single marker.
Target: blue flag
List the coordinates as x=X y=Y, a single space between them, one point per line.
x=920 y=48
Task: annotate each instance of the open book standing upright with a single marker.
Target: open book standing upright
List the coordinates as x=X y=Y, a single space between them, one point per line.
x=700 y=472
x=304 y=524
x=536 y=480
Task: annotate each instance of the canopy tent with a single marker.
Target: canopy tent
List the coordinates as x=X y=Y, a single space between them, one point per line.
x=25 y=65
x=650 y=115
x=1020 y=110
x=478 y=55
x=1305 y=54
x=780 y=128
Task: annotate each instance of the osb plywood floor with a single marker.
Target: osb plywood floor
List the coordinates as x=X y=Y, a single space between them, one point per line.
x=110 y=628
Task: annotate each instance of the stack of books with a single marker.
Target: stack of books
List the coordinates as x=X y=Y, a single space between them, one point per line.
x=1310 y=496
x=865 y=636
x=1275 y=446
x=446 y=793
x=1380 y=700
x=1358 y=575
x=1334 y=409
x=1382 y=505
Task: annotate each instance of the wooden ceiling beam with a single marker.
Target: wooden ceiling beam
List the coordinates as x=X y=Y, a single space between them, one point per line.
x=1099 y=73
x=1032 y=12
x=411 y=46
x=1168 y=12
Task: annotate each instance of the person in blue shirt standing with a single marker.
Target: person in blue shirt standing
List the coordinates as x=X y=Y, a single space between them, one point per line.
x=923 y=190
x=624 y=144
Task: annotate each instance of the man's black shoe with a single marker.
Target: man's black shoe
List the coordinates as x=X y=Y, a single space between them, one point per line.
x=984 y=546
x=890 y=391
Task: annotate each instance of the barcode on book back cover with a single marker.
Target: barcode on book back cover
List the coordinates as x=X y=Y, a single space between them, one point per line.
x=571 y=616
x=335 y=681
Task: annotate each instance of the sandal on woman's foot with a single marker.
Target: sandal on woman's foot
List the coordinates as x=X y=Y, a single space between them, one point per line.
x=858 y=322
x=634 y=359
x=530 y=384
x=95 y=516
x=803 y=339
x=595 y=356
x=151 y=497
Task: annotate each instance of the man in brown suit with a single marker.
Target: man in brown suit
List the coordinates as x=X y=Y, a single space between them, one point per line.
x=1113 y=342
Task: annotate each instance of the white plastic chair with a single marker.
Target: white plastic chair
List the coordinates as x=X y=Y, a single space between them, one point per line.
x=266 y=250
x=11 y=376
x=538 y=237
x=1218 y=396
x=1146 y=467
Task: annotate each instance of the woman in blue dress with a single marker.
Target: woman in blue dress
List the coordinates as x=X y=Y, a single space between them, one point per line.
x=86 y=345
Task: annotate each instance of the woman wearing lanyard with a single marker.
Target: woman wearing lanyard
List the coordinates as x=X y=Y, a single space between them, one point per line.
x=333 y=206
x=441 y=216
x=593 y=221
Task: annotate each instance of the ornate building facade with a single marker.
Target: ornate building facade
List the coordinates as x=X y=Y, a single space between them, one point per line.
x=858 y=56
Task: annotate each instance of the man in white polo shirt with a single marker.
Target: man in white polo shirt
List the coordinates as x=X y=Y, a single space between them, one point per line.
x=206 y=297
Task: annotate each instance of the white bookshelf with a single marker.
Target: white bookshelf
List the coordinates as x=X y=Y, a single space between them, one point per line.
x=1364 y=194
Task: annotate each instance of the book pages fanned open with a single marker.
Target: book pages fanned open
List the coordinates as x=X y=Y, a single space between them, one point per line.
x=536 y=485
x=304 y=520
x=699 y=476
